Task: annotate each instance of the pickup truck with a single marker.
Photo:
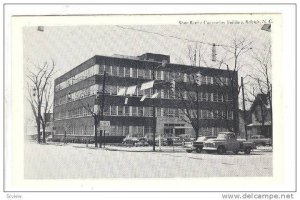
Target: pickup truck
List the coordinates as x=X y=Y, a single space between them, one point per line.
x=260 y=140
x=227 y=141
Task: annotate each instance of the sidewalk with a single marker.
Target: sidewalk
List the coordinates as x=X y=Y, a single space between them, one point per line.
x=112 y=147
x=145 y=149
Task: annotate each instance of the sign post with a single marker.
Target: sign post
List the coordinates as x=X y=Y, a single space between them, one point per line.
x=104 y=126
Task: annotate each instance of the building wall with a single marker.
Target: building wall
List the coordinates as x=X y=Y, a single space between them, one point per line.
x=75 y=96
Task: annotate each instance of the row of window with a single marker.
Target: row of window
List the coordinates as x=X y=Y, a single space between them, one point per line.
x=145 y=112
x=135 y=131
x=159 y=75
x=140 y=73
x=162 y=93
x=78 y=77
x=211 y=131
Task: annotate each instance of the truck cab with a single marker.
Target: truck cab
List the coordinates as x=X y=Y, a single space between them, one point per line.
x=227 y=141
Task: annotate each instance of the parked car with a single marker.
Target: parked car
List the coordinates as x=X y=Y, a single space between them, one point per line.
x=130 y=140
x=174 y=141
x=198 y=144
x=260 y=140
x=227 y=141
x=142 y=142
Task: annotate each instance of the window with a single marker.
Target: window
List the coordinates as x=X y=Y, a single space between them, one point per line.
x=220 y=97
x=158 y=75
x=185 y=77
x=114 y=110
x=120 y=130
x=141 y=130
x=162 y=94
x=113 y=130
x=158 y=112
x=209 y=114
x=127 y=111
x=210 y=80
x=215 y=114
x=114 y=70
x=230 y=115
x=120 y=110
x=108 y=69
x=204 y=79
x=141 y=111
x=121 y=71
x=127 y=72
x=147 y=74
x=215 y=97
x=166 y=76
x=101 y=69
x=146 y=112
x=171 y=112
x=134 y=131
x=165 y=112
x=176 y=112
x=125 y=130
x=147 y=129
x=140 y=73
x=229 y=97
x=193 y=95
x=106 y=110
x=162 y=75
x=204 y=114
x=191 y=78
x=134 y=111
x=134 y=73
x=172 y=75
x=178 y=76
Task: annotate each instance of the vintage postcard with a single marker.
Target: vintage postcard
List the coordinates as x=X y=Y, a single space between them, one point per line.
x=147 y=102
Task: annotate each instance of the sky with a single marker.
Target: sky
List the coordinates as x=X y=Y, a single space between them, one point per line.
x=69 y=46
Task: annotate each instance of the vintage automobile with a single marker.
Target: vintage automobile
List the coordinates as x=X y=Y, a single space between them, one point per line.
x=198 y=144
x=130 y=141
x=227 y=141
x=141 y=143
x=260 y=140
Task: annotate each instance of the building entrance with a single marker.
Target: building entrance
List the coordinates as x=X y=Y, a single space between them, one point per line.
x=171 y=131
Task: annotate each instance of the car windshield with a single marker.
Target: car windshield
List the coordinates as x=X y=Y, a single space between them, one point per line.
x=221 y=136
x=201 y=139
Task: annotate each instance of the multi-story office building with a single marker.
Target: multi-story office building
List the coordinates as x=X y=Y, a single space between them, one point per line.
x=77 y=89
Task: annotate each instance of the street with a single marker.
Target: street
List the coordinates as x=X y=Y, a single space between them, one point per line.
x=75 y=161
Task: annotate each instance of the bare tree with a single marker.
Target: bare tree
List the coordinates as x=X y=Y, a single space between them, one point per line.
x=97 y=112
x=261 y=86
x=262 y=73
x=39 y=94
x=191 y=98
x=238 y=48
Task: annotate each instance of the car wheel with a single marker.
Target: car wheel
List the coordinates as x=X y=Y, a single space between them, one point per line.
x=221 y=150
x=198 y=150
x=236 y=151
x=247 y=150
x=189 y=150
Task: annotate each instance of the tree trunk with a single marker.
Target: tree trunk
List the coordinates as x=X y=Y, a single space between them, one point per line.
x=38 y=131
x=96 y=139
x=197 y=132
x=44 y=133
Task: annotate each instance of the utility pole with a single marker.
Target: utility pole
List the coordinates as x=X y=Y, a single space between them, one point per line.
x=244 y=107
x=102 y=104
x=153 y=111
